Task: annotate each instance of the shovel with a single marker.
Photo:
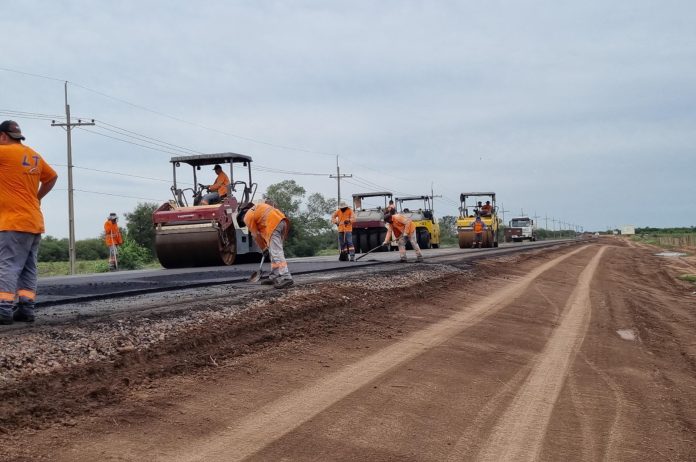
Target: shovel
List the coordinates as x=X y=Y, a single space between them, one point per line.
x=370 y=251
x=256 y=275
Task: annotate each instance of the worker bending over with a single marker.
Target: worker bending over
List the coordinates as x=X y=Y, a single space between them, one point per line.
x=344 y=219
x=269 y=227
x=112 y=239
x=219 y=189
x=401 y=228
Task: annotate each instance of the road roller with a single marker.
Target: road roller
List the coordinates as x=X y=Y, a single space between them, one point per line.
x=473 y=204
x=188 y=234
x=369 y=228
x=427 y=227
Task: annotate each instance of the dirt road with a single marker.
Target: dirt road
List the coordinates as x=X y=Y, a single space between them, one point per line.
x=583 y=353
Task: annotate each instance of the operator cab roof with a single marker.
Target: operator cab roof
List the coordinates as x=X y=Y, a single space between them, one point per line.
x=211 y=159
x=373 y=194
x=412 y=198
x=476 y=194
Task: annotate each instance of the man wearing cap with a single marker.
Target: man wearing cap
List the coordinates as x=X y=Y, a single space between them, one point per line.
x=218 y=190
x=26 y=179
x=112 y=239
x=269 y=227
x=344 y=218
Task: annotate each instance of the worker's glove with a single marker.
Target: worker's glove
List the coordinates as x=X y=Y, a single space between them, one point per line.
x=346 y=222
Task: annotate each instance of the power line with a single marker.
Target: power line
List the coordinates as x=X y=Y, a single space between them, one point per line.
x=115 y=195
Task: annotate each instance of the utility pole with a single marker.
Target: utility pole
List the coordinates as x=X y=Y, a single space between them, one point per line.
x=535 y=216
x=502 y=212
x=553 y=220
x=68 y=125
x=432 y=198
x=338 y=177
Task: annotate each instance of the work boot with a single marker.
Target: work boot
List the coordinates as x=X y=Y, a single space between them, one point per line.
x=23 y=313
x=6 y=314
x=352 y=257
x=402 y=260
x=267 y=282
x=283 y=283
x=419 y=258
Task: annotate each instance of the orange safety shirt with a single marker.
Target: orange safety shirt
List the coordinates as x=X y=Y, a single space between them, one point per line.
x=112 y=235
x=262 y=220
x=221 y=184
x=21 y=171
x=402 y=225
x=486 y=209
x=478 y=226
x=340 y=216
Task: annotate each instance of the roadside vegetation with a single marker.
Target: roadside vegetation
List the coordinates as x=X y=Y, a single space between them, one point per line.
x=668 y=238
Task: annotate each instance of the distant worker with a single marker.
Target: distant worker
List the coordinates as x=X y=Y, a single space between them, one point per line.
x=219 y=189
x=269 y=227
x=401 y=228
x=112 y=239
x=487 y=209
x=26 y=179
x=479 y=227
x=344 y=218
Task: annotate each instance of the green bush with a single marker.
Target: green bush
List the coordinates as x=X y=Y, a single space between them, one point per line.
x=132 y=256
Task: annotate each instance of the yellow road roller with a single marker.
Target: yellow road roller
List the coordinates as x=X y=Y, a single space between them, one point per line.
x=472 y=205
x=427 y=227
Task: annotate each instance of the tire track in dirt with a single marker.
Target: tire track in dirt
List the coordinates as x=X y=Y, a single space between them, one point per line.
x=247 y=436
x=519 y=434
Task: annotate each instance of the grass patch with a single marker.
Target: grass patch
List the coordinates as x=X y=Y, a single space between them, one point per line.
x=688 y=277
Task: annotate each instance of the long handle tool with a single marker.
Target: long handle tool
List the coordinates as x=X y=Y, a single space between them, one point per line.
x=370 y=251
x=256 y=275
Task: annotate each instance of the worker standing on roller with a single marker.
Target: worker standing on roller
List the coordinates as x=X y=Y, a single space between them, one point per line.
x=112 y=239
x=401 y=228
x=25 y=178
x=269 y=227
x=479 y=227
x=219 y=189
x=343 y=217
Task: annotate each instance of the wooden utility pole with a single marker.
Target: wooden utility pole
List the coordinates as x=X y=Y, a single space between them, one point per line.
x=68 y=125
x=338 y=177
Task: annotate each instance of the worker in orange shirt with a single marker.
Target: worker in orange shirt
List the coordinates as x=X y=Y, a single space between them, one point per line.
x=269 y=227
x=112 y=239
x=486 y=209
x=219 y=189
x=26 y=179
x=344 y=218
x=401 y=228
x=479 y=227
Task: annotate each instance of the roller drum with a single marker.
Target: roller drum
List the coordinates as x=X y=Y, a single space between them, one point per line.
x=182 y=248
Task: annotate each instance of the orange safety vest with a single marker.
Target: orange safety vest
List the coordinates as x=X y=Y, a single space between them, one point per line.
x=112 y=235
x=221 y=183
x=339 y=217
x=402 y=225
x=478 y=226
x=262 y=220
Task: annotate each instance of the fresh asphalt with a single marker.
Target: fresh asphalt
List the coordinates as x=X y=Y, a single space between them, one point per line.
x=60 y=290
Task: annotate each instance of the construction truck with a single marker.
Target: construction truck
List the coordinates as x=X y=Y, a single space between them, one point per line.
x=471 y=206
x=520 y=229
x=189 y=234
x=369 y=228
x=427 y=228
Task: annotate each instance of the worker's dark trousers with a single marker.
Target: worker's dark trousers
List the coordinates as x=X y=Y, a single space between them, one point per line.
x=18 y=274
x=345 y=240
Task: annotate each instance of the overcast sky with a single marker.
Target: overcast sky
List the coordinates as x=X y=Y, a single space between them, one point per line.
x=581 y=111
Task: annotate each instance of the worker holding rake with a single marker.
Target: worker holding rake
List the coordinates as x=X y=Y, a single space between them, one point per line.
x=401 y=228
x=269 y=227
x=344 y=218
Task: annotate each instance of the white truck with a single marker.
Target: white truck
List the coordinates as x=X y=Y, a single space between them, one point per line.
x=520 y=229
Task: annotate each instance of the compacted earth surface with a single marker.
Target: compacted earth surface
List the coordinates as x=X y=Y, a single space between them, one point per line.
x=579 y=352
